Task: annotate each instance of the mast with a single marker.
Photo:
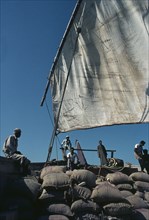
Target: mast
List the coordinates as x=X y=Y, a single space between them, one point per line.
x=54 y=133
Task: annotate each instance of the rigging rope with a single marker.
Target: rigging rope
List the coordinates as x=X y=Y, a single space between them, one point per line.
x=53 y=127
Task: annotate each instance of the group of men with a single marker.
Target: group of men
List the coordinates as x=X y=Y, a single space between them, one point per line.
x=140 y=154
x=68 y=153
x=10 y=148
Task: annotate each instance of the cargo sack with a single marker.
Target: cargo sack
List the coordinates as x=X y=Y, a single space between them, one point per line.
x=137 y=202
x=117 y=178
x=52 y=169
x=146 y=196
x=141 y=214
x=26 y=187
x=125 y=186
x=139 y=176
x=55 y=181
x=84 y=176
x=88 y=206
x=105 y=193
x=53 y=217
x=88 y=216
x=118 y=209
x=57 y=217
x=52 y=196
x=126 y=193
x=80 y=192
x=141 y=186
x=140 y=194
x=61 y=209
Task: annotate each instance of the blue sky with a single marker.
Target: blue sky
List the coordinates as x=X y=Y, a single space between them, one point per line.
x=31 y=32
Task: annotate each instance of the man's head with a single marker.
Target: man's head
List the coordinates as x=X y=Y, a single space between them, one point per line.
x=142 y=143
x=72 y=150
x=67 y=137
x=100 y=142
x=17 y=132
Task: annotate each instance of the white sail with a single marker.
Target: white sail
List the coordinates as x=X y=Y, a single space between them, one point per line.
x=107 y=66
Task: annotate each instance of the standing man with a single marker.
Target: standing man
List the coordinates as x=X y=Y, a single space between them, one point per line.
x=65 y=145
x=72 y=159
x=10 y=149
x=102 y=153
x=145 y=158
x=138 y=152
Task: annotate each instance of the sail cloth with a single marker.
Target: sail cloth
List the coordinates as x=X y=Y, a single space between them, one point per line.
x=102 y=66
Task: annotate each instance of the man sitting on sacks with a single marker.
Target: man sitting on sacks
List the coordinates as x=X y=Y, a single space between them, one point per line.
x=10 y=150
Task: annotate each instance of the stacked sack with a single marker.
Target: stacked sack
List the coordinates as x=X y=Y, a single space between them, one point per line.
x=83 y=182
x=80 y=195
x=135 y=190
x=21 y=195
x=109 y=197
x=140 y=199
x=52 y=203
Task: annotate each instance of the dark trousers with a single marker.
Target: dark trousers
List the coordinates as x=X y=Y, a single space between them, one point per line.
x=141 y=163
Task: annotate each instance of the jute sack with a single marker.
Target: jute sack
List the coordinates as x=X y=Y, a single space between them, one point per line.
x=139 y=176
x=53 y=217
x=140 y=194
x=126 y=193
x=118 y=209
x=117 y=178
x=80 y=192
x=57 y=217
x=146 y=196
x=141 y=186
x=52 y=169
x=106 y=193
x=89 y=216
x=137 y=202
x=125 y=186
x=141 y=214
x=81 y=206
x=61 y=209
x=84 y=176
x=55 y=181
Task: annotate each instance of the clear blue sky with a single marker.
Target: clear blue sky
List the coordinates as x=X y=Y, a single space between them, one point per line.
x=31 y=32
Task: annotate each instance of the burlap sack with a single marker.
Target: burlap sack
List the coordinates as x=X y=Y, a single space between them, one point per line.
x=61 y=209
x=52 y=169
x=141 y=186
x=139 y=176
x=118 y=209
x=106 y=193
x=137 y=202
x=81 y=206
x=55 y=181
x=84 y=176
x=80 y=192
x=117 y=178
